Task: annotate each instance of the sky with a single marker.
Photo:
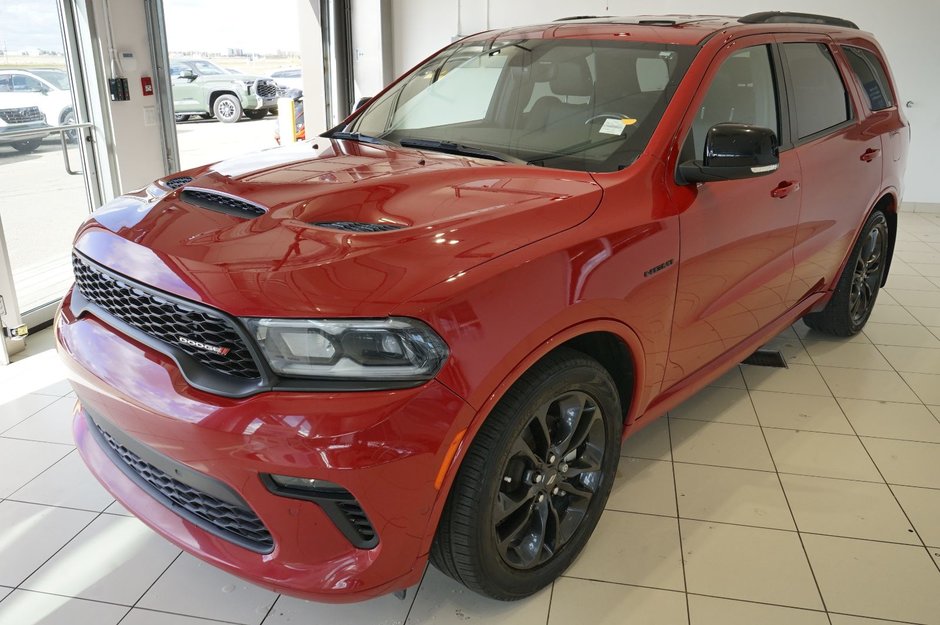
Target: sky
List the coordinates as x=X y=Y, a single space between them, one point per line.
x=208 y=25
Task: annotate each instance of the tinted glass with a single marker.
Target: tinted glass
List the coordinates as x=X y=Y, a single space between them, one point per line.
x=871 y=75
x=742 y=91
x=570 y=104
x=819 y=94
x=55 y=76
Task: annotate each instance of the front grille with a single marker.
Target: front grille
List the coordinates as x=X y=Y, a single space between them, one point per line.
x=177 y=182
x=358 y=519
x=222 y=203
x=21 y=115
x=167 y=321
x=226 y=517
x=266 y=89
x=356 y=226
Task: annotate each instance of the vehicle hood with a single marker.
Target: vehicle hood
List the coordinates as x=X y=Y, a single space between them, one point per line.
x=452 y=213
x=13 y=100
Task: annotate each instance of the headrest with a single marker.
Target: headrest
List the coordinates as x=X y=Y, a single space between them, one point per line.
x=572 y=78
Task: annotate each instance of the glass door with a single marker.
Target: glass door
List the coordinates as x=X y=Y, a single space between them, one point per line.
x=48 y=178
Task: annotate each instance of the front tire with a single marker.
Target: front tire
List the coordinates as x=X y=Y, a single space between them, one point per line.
x=535 y=480
x=858 y=286
x=257 y=114
x=227 y=109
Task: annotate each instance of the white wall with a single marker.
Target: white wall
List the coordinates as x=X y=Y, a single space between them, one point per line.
x=906 y=30
x=136 y=144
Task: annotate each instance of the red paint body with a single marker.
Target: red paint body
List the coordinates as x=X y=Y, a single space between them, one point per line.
x=504 y=261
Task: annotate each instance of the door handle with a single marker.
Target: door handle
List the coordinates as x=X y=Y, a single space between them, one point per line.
x=785 y=188
x=870 y=154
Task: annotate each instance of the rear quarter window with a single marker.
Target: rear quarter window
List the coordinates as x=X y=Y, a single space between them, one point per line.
x=871 y=75
x=819 y=94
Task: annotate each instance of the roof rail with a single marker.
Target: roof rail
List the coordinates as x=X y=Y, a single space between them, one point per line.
x=785 y=17
x=577 y=17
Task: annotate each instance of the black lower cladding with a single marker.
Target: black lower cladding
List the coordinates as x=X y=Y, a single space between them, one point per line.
x=222 y=513
x=182 y=325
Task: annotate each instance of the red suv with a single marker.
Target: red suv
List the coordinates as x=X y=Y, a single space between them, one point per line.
x=424 y=334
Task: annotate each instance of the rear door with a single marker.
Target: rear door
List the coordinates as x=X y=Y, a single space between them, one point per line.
x=736 y=258
x=840 y=153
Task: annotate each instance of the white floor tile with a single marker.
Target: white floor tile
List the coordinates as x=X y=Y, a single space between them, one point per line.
x=714 y=611
x=52 y=424
x=67 y=483
x=652 y=442
x=33 y=608
x=16 y=410
x=900 y=334
x=802 y=379
x=845 y=508
x=748 y=563
x=867 y=384
x=24 y=460
x=115 y=559
x=718 y=405
x=733 y=378
x=922 y=506
x=633 y=549
x=875 y=579
x=912 y=422
x=738 y=496
x=582 y=601
x=719 y=444
x=643 y=486
x=800 y=412
x=31 y=534
x=139 y=616
x=388 y=610
x=848 y=355
x=824 y=455
x=442 y=601
x=912 y=359
x=906 y=463
x=192 y=587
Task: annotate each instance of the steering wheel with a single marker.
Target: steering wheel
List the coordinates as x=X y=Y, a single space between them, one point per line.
x=605 y=116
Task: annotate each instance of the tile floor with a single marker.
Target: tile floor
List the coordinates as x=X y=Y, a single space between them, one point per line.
x=808 y=495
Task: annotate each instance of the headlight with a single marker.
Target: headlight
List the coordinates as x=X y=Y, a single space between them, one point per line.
x=394 y=349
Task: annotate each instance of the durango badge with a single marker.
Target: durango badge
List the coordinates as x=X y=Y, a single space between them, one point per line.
x=215 y=349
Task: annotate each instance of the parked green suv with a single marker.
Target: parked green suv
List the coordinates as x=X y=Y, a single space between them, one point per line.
x=203 y=88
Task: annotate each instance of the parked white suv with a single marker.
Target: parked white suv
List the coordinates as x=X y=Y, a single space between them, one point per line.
x=49 y=90
x=18 y=113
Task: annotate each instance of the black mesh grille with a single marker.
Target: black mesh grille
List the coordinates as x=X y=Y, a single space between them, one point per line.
x=228 y=518
x=267 y=89
x=222 y=203
x=166 y=320
x=176 y=183
x=356 y=226
x=358 y=519
x=21 y=115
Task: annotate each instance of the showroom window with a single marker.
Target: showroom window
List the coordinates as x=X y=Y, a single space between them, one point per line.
x=742 y=91
x=871 y=75
x=819 y=94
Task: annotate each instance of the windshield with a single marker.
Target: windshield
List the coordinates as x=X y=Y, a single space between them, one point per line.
x=205 y=68
x=57 y=77
x=582 y=105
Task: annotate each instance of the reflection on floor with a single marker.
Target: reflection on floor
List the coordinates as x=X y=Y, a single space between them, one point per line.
x=807 y=495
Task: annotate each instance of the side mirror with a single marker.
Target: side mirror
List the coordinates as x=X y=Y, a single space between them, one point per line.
x=732 y=152
x=43 y=89
x=187 y=74
x=362 y=102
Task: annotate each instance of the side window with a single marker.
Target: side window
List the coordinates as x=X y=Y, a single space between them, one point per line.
x=6 y=82
x=742 y=91
x=820 y=97
x=871 y=75
x=175 y=69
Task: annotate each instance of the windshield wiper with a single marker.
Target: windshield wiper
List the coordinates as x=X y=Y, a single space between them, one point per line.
x=449 y=147
x=357 y=136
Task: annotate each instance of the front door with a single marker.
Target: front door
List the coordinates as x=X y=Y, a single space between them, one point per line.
x=736 y=239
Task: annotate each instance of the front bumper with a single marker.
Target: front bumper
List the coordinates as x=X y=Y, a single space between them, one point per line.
x=256 y=102
x=385 y=448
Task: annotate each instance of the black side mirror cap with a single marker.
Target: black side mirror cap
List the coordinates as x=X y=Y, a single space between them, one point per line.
x=733 y=152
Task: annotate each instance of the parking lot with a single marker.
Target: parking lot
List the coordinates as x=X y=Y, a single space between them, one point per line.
x=36 y=187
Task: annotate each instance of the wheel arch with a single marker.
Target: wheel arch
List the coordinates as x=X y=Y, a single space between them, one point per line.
x=612 y=343
x=888 y=204
x=220 y=92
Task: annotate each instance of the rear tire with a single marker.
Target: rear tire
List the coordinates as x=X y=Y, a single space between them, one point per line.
x=535 y=480
x=27 y=146
x=227 y=109
x=858 y=286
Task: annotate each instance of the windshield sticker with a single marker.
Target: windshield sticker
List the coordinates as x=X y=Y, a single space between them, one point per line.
x=616 y=126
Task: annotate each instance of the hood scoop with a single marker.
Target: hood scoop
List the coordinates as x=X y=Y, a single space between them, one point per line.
x=222 y=203
x=178 y=181
x=356 y=226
